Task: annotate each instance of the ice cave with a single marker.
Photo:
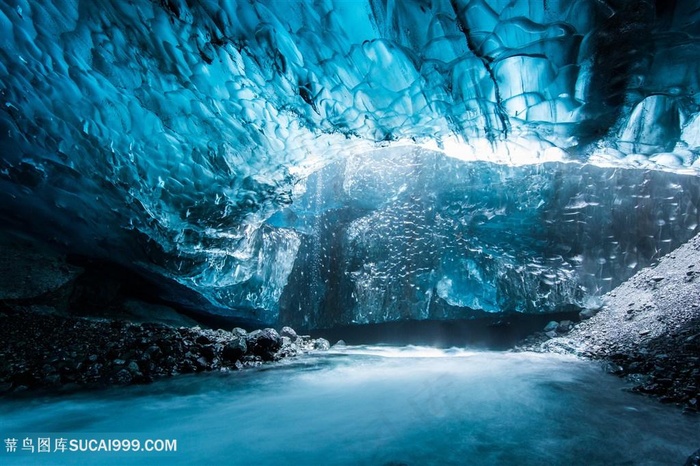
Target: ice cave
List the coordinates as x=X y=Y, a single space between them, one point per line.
x=350 y=232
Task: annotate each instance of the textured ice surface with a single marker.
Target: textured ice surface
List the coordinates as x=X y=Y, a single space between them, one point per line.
x=408 y=233
x=166 y=132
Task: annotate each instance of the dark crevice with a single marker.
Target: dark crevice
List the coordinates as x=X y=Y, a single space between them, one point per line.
x=486 y=61
x=622 y=46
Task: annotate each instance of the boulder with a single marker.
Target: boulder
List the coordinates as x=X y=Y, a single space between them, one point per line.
x=264 y=343
x=122 y=377
x=587 y=313
x=564 y=326
x=551 y=326
x=288 y=332
x=289 y=348
x=234 y=350
x=321 y=344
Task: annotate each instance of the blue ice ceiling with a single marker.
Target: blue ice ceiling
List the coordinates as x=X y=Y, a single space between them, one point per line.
x=173 y=134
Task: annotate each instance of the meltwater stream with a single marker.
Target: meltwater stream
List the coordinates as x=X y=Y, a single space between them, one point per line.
x=370 y=405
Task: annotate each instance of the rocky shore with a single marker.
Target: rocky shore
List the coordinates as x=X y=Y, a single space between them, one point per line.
x=647 y=330
x=50 y=351
x=79 y=323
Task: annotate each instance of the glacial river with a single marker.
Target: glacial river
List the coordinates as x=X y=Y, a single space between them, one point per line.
x=365 y=405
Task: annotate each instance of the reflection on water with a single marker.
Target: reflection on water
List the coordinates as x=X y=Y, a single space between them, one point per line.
x=372 y=405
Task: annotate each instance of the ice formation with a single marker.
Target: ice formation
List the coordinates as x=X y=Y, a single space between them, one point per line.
x=167 y=133
x=410 y=234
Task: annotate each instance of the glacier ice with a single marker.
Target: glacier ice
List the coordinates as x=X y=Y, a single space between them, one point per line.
x=407 y=233
x=165 y=134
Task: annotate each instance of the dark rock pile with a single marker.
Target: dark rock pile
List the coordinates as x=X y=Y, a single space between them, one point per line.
x=667 y=367
x=647 y=331
x=553 y=329
x=45 y=350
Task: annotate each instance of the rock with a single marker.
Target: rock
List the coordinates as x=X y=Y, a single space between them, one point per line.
x=612 y=368
x=188 y=367
x=122 y=377
x=551 y=326
x=53 y=380
x=289 y=348
x=153 y=352
x=551 y=334
x=211 y=351
x=564 y=326
x=638 y=379
x=264 y=343
x=203 y=340
x=588 y=313
x=340 y=344
x=288 y=332
x=321 y=344
x=234 y=350
x=94 y=370
x=117 y=352
x=694 y=459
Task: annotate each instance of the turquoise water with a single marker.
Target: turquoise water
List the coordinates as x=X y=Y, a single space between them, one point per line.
x=369 y=406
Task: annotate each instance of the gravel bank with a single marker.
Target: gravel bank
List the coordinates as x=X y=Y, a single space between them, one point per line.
x=50 y=351
x=648 y=330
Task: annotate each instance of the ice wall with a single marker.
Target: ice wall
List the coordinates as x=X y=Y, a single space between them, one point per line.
x=164 y=133
x=407 y=233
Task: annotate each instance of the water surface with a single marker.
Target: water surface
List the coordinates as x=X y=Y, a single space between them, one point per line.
x=371 y=405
